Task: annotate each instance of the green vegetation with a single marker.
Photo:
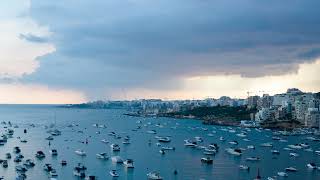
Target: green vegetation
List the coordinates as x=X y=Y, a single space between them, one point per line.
x=217 y=112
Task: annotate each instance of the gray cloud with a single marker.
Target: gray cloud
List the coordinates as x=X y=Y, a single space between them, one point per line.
x=33 y=38
x=148 y=44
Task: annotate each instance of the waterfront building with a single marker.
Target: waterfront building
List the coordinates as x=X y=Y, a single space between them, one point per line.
x=253 y=101
x=312 y=118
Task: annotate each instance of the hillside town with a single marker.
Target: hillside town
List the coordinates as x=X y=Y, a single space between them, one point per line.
x=293 y=106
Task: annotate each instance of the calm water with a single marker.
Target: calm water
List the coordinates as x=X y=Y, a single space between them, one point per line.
x=146 y=157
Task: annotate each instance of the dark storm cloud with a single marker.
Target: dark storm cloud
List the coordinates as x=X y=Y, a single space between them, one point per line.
x=153 y=43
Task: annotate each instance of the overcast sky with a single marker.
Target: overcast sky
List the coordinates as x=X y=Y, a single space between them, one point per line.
x=79 y=50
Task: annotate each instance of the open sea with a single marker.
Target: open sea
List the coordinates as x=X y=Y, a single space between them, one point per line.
x=146 y=155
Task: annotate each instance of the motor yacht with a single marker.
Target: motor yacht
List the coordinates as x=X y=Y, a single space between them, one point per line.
x=105 y=141
x=115 y=147
x=222 y=138
x=152 y=132
x=80 y=152
x=40 y=155
x=244 y=167
x=5 y=163
x=312 y=165
x=293 y=154
x=63 y=162
x=190 y=143
x=102 y=155
x=29 y=163
x=53 y=173
x=282 y=174
x=53 y=152
x=161 y=151
x=16 y=150
x=128 y=163
x=164 y=139
x=207 y=160
x=295 y=146
x=275 y=152
x=47 y=167
x=236 y=152
x=154 y=176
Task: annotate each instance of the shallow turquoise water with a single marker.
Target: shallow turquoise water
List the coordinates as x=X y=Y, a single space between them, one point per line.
x=146 y=157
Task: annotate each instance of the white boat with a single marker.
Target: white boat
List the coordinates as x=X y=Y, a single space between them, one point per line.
x=275 y=152
x=236 y=152
x=128 y=163
x=152 y=132
x=53 y=152
x=161 y=151
x=291 y=169
x=250 y=147
x=116 y=159
x=296 y=146
x=282 y=174
x=154 y=176
x=105 y=141
x=53 y=173
x=242 y=135
x=207 y=160
x=221 y=138
x=115 y=147
x=234 y=142
x=244 y=167
x=190 y=143
x=294 y=154
x=80 y=152
x=168 y=148
x=102 y=155
x=311 y=166
x=164 y=139
x=266 y=145
x=114 y=173
x=252 y=159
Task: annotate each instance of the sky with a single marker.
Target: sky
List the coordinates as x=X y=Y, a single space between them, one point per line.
x=74 y=51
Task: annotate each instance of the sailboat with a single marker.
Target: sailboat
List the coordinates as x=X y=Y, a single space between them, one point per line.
x=258 y=176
